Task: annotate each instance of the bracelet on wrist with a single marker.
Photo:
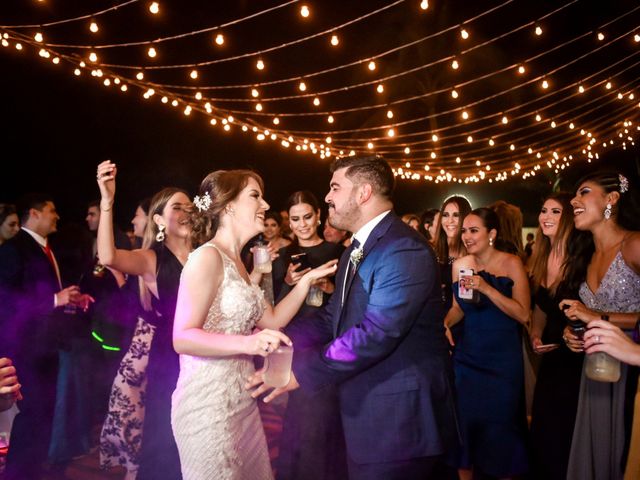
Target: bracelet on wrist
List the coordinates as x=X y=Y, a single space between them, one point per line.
x=106 y=209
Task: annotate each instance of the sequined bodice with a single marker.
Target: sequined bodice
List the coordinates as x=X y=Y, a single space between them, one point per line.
x=237 y=306
x=619 y=290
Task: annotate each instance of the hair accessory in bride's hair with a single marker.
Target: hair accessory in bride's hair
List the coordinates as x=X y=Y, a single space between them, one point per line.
x=202 y=203
x=624 y=183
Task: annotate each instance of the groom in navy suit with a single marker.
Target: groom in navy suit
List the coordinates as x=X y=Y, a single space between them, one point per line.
x=381 y=336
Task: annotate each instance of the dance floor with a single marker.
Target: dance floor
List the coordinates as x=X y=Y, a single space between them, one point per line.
x=87 y=467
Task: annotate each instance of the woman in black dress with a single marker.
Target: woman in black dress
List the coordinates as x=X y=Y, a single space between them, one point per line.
x=556 y=393
x=158 y=264
x=312 y=444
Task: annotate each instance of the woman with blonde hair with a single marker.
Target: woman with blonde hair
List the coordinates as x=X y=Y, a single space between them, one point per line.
x=158 y=264
x=558 y=381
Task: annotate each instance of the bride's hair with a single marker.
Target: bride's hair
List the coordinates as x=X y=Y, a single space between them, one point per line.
x=221 y=187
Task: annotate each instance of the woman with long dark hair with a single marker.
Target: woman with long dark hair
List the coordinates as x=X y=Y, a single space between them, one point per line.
x=311 y=445
x=492 y=294
x=605 y=205
x=158 y=264
x=558 y=380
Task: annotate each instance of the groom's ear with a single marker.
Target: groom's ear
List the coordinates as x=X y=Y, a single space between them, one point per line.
x=365 y=191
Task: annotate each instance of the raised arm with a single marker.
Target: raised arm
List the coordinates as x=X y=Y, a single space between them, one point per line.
x=136 y=262
x=199 y=284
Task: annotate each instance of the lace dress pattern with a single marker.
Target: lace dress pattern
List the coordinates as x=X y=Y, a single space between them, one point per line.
x=215 y=421
x=121 y=436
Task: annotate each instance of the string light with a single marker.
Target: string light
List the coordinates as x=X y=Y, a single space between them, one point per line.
x=152 y=52
x=454 y=93
x=140 y=76
x=521 y=69
x=538 y=30
x=193 y=74
x=260 y=65
x=259 y=107
x=219 y=39
x=424 y=4
x=93 y=27
x=304 y=11
x=302 y=86
x=464 y=34
x=380 y=88
x=600 y=36
x=154 y=8
x=334 y=40
x=545 y=84
x=93 y=57
x=316 y=101
x=389 y=114
x=330 y=119
x=434 y=137
x=455 y=65
x=371 y=65
x=38 y=37
x=349 y=140
x=505 y=120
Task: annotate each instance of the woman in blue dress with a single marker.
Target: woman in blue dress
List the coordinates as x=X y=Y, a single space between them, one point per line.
x=488 y=359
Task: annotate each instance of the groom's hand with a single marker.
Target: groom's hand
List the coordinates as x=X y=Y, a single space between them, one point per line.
x=256 y=382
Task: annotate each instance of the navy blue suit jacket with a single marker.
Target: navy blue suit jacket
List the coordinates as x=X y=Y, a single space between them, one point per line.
x=386 y=349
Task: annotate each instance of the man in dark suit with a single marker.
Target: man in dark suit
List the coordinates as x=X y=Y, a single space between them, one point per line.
x=33 y=300
x=381 y=337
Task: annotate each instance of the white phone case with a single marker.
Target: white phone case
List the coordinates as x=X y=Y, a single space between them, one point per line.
x=463 y=292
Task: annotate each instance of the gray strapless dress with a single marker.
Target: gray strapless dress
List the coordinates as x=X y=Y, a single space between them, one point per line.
x=215 y=421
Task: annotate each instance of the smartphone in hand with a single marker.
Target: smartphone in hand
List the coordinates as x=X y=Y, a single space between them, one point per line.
x=466 y=294
x=301 y=261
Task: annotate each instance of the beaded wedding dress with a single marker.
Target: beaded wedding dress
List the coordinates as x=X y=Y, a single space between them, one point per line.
x=215 y=421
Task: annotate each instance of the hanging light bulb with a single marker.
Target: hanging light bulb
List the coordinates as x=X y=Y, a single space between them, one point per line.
x=140 y=75
x=330 y=119
x=424 y=4
x=304 y=11
x=521 y=69
x=580 y=89
x=434 y=137
x=465 y=115
x=302 y=86
x=389 y=114
x=391 y=132
x=455 y=65
x=260 y=64
x=407 y=150
x=454 y=93
x=538 y=30
x=600 y=36
x=505 y=120
x=335 y=40
x=608 y=86
x=545 y=84
x=193 y=74
x=255 y=93
x=464 y=34
x=93 y=27
x=93 y=57
x=38 y=37
x=380 y=88
x=372 y=65
x=154 y=8
x=219 y=39
x=152 y=52
x=316 y=101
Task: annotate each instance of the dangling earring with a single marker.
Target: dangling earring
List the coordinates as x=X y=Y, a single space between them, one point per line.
x=607 y=212
x=160 y=235
x=319 y=222
x=490 y=242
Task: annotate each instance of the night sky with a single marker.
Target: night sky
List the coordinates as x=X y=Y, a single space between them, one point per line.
x=55 y=128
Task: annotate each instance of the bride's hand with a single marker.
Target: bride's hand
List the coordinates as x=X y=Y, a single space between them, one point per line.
x=106 y=175
x=324 y=270
x=265 y=342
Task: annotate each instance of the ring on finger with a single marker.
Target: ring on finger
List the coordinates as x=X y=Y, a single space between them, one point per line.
x=597 y=338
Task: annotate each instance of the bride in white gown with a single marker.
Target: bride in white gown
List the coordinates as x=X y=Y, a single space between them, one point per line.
x=215 y=421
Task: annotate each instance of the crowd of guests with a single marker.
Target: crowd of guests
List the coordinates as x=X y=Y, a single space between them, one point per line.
x=94 y=300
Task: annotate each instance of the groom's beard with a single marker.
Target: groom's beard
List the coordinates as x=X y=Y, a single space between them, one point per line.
x=347 y=217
